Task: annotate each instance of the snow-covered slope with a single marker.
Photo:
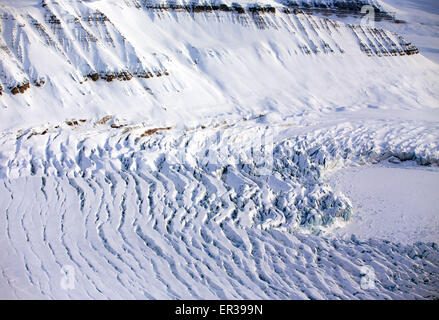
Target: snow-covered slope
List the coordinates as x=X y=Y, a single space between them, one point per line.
x=231 y=62
x=416 y=20
x=183 y=150
x=196 y=214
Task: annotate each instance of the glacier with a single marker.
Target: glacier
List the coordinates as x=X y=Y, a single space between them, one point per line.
x=187 y=150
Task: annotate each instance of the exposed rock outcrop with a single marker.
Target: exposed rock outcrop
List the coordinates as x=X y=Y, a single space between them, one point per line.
x=20 y=88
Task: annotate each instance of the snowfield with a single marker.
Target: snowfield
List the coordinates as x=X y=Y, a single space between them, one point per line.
x=393 y=202
x=215 y=152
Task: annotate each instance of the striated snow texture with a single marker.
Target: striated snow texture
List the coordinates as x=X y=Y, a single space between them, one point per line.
x=172 y=152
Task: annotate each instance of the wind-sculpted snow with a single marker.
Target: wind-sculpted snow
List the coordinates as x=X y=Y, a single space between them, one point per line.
x=202 y=213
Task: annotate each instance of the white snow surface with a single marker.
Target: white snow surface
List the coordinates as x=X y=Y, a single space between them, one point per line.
x=235 y=65
x=420 y=23
x=241 y=169
x=393 y=202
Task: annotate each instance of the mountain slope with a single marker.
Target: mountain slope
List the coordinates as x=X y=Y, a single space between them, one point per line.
x=231 y=62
